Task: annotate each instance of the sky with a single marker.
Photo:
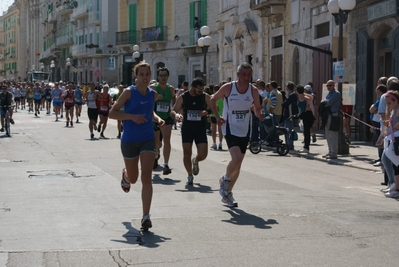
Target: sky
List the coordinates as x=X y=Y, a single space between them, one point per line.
x=4 y=4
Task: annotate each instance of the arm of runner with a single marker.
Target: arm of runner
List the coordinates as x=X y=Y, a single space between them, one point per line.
x=222 y=92
x=178 y=106
x=157 y=119
x=116 y=115
x=173 y=92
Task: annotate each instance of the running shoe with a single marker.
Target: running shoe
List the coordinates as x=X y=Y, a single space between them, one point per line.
x=214 y=146
x=347 y=139
x=56 y=118
x=12 y=121
x=220 y=147
x=229 y=200
x=77 y=120
x=38 y=111
x=95 y=127
x=166 y=170
x=2 y=130
x=190 y=180
x=71 y=123
x=125 y=184
x=92 y=136
x=146 y=223
x=224 y=186
x=62 y=116
x=314 y=138
x=36 y=114
x=99 y=128
x=102 y=135
x=392 y=194
x=67 y=124
x=195 y=166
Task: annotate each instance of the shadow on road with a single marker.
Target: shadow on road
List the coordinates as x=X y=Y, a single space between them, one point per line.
x=240 y=217
x=135 y=237
x=196 y=187
x=156 y=179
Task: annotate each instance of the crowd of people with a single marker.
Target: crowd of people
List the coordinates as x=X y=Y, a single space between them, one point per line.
x=147 y=111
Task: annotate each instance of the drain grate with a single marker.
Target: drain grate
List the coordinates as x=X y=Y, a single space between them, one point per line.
x=51 y=174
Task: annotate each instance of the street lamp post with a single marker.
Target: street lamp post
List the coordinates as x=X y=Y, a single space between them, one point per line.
x=68 y=65
x=204 y=42
x=52 y=66
x=136 y=53
x=340 y=10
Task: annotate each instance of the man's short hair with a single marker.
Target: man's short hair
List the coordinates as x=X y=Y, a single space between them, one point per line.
x=274 y=84
x=290 y=85
x=262 y=83
x=185 y=83
x=197 y=82
x=245 y=66
x=394 y=85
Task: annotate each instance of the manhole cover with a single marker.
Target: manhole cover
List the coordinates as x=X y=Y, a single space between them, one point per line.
x=51 y=174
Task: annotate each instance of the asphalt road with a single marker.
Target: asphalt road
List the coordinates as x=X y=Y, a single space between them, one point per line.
x=61 y=205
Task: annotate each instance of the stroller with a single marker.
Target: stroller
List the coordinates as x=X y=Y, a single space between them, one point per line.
x=272 y=140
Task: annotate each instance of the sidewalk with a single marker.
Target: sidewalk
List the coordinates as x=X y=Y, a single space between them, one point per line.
x=362 y=154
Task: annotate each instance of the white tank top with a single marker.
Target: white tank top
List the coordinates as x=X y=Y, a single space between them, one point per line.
x=236 y=111
x=91 y=101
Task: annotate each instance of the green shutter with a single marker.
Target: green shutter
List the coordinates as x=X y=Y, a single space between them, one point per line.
x=203 y=12
x=133 y=17
x=191 y=23
x=159 y=12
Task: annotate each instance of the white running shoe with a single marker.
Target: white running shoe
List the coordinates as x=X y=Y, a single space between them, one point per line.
x=214 y=146
x=392 y=194
x=229 y=200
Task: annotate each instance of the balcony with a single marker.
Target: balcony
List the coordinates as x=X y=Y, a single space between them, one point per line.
x=102 y=51
x=51 y=17
x=127 y=38
x=2 y=44
x=79 y=50
x=154 y=34
x=65 y=9
x=266 y=4
x=81 y=11
x=94 y=17
x=64 y=40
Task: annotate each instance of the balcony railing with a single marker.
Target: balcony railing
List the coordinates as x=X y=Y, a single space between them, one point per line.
x=154 y=34
x=65 y=40
x=127 y=37
x=65 y=9
x=81 y=11
x=78 y=50
x=94 y=17
x=262 y=4
x=51 y=17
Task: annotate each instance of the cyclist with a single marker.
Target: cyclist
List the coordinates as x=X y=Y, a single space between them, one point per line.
x=6 y=99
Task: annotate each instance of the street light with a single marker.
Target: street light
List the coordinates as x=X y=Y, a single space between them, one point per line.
x=52 y=66
x=68 y=65
x=136 y=53
x=204 y=42
x=340 y=10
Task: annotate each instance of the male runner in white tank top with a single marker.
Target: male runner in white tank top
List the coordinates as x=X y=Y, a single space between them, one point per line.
x=239 y=96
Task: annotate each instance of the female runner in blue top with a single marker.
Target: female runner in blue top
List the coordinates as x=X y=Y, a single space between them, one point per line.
x=138 y=139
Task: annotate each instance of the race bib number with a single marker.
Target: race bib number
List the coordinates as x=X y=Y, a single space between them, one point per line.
x=104 y=108
x=163 y=107
x=69 y=100
x=47 y=97
x=240 y=115
x=193 y=115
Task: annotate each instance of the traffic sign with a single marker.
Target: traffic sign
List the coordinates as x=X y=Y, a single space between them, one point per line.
x=75 y=70
x=98 y=74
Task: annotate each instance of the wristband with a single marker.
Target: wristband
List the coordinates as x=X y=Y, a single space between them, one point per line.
x=177 y=116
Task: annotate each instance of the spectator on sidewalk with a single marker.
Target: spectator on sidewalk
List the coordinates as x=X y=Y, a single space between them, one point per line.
x=290 y=108
x=333 y=102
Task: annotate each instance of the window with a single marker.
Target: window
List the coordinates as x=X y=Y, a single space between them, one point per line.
x=322 y=30
x=197 y=9
x=277 y=41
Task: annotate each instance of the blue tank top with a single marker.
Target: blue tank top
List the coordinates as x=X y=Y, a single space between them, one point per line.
x=139 y=104
x=78 y=95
